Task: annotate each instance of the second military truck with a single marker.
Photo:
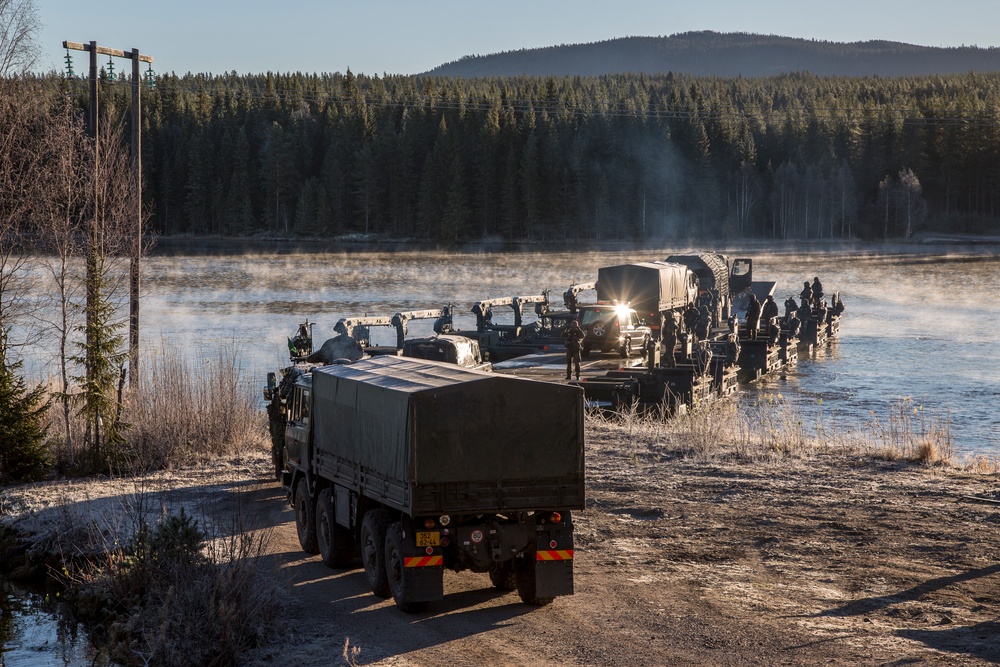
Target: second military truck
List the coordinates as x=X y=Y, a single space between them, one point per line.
x=417 y=466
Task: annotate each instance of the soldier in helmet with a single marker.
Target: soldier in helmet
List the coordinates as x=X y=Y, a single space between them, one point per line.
x=770 y=309
x=753 y=317
x=791 y=306
x=669 y=340
x=573 y=335
x=817 y=290
x=732 y=350
x=704 y=325
x=691 y=316
x=806 y=294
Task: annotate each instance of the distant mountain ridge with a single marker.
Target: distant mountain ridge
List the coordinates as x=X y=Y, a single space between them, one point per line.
x=710 y=53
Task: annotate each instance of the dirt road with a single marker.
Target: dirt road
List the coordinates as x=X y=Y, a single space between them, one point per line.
x=830 y=560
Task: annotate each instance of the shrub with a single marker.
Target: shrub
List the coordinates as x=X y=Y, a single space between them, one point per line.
x=24 y=452
x=176 y=597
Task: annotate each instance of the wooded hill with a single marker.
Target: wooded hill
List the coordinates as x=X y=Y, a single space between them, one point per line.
x=727 y=55
x=614 y=157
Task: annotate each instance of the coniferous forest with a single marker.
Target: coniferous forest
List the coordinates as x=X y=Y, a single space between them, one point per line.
x=625 y=157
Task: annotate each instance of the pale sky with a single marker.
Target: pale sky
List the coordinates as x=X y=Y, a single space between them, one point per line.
x=409 y=37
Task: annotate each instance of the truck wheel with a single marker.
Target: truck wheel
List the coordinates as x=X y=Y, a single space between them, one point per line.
x=526 y=588
x=587 y=347
x=395 y=569
x=373 y=529
x=503 y=576
x=336 y=545
x=305 y=518
x=626 y=349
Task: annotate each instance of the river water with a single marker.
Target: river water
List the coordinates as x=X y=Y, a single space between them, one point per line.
x=921 y=322
x=918 y=324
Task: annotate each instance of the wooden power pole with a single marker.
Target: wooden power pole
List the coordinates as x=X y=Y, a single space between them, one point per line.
x=136 y=155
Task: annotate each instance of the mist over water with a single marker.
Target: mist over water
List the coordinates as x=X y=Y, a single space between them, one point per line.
x=922 y=325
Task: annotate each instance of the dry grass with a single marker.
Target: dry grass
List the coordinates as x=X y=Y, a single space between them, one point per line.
x=908 y=433
x=181 y=413
x=774 y=428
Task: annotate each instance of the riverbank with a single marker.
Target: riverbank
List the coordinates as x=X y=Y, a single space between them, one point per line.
x=817 y=555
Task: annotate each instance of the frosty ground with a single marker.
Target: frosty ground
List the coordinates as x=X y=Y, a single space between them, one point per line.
x=822 y=558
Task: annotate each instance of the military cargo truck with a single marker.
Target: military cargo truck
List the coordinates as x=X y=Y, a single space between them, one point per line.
x=719 y=277
x=418 y=466
x=651 y=288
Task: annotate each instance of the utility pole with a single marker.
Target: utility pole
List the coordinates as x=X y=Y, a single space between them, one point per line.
x=136 y=155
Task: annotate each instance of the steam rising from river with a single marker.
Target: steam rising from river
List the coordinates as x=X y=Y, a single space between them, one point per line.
x=917 y=324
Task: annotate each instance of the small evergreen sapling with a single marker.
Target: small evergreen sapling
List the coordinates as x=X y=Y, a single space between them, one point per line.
x=24 y=451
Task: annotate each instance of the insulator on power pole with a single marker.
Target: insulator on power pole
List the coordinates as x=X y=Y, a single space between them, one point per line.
x=150 y=76
x=111 y=69
x=69 y=66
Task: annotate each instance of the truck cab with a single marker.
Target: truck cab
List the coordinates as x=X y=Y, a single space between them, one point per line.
x=449 y=348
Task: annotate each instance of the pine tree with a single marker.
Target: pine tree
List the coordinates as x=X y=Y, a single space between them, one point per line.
x=24 y=452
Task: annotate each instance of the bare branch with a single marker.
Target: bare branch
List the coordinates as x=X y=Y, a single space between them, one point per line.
x=18 y=26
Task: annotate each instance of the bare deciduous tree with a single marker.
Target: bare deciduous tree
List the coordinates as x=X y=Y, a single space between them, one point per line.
x=18 y=26
x=22 y=119
x=61 y=219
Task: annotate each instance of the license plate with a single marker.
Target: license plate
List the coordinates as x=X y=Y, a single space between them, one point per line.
x=426 y=539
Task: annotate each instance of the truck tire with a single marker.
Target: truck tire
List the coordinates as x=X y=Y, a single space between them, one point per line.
x=373 y=528
x=503 y=576
x=336 y=545
x=305 y=518
x=395 y=569
x=526 y=588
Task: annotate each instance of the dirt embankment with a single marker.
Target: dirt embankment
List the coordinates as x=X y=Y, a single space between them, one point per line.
x=826 y=560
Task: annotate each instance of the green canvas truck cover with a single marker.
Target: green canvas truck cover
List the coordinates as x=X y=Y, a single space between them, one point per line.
x=648 y=287
x=435 y=427
x=711 y=268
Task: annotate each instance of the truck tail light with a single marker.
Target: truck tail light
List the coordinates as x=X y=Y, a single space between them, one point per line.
x=555 y=517
x=429 y=523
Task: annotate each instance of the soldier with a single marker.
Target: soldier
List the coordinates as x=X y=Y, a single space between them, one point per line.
x=716 y=307
x=805 y=312
x=753 y=317
x=732 y=350
x=704 y=325
x=773 y=331
x=806 y=294
x=669 y=340
x=573 y=335
x=770 y=309
x=691 y=319
x=793 y=325
x=817 y=290
x=791 y=307
x=821 y=311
